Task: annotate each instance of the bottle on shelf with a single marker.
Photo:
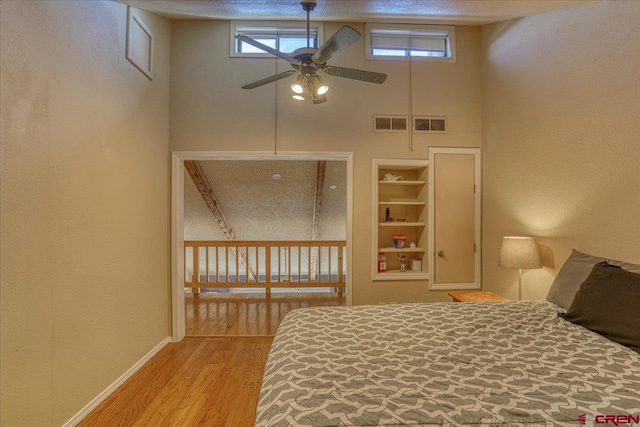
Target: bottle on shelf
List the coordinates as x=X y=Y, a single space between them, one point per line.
x=387 y=215
x=382 y=263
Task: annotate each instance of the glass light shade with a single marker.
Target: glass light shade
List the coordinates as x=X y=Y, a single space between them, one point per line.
x=298 y=97
x=319 y=87
x=519 y=252
x=297 y=86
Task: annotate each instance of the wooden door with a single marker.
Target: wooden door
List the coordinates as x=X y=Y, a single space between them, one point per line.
x=455 y=219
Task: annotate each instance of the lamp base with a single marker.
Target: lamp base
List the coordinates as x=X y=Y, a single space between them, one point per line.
x=519 y=284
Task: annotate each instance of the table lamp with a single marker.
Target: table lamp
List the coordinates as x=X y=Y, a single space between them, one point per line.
x=519 y=252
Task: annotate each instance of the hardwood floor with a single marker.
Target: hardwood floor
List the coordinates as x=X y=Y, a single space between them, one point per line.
x=198 y=381
x=212 y=314
x=206 y=381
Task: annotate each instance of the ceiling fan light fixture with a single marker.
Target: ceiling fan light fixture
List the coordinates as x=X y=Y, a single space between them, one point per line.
x=310 y=60
x=315 y=85
x=322 y=89
x=320 y=86
x=297 y=86
x=318 y=99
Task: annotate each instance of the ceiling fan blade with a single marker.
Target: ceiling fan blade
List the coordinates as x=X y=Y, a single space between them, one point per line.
x=352 y=73
x=268 y=49
x=343 y=38
x=319 y=99
x=269 y=79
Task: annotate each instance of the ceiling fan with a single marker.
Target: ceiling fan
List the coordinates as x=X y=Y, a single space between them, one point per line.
x=308 y=62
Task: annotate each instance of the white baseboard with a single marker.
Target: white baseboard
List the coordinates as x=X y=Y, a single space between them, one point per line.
x=117 y=383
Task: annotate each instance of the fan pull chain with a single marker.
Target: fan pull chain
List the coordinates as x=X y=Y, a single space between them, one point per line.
x=275 y=115
x=410 y=124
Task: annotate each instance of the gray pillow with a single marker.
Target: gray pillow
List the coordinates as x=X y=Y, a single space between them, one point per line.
x=608 y=302
x=574 y=271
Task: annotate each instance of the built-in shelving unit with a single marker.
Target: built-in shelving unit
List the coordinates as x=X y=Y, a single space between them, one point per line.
x=406 y=200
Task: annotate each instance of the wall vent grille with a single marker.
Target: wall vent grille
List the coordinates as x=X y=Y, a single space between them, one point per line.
x=390 y=123
x=430 y=124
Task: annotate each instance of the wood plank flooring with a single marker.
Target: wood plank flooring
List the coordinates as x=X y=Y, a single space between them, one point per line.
x=206 y=381
x=212 y=314
x=198 y=381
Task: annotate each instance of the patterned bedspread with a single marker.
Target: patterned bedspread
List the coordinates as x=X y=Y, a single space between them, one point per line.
x=474 y=364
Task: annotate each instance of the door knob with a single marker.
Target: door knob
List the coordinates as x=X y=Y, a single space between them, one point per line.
x=441 y=254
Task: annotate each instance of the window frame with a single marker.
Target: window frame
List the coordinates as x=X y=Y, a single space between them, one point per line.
x=267 y=26
x=447 y=31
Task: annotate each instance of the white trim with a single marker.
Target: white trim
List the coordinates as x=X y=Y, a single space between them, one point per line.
x=264 y=155
x=445 y=30
x=146 y=67
x=117 y=383
x=233 y=25
x=391 y=129
x=397 y=164
x=431 y=252
x=177 y=215
x=429 y=118
x=177 y=248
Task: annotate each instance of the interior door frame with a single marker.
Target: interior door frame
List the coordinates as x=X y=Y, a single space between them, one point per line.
x=177 y=215
x=477 y=283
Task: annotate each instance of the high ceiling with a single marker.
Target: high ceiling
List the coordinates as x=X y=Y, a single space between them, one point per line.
x=262 y=208
x=459 y=12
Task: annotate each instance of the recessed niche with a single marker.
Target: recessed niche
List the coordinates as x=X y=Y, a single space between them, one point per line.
x=139 y=43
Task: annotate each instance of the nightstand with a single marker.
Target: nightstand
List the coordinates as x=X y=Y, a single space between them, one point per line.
x=476 y=297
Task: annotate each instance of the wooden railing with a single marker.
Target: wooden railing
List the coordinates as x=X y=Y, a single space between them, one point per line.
x=265 y=264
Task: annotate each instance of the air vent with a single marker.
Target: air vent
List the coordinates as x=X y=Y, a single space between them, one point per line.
x=430 y=124
x=390 y=123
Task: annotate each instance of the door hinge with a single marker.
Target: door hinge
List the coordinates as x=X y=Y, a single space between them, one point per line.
x=474 y=189
x=474 y=247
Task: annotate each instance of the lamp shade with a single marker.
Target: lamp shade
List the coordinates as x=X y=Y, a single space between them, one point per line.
x=519 y=252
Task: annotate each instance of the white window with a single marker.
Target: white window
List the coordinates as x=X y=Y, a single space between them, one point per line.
x=396 y=41
x=283 y=36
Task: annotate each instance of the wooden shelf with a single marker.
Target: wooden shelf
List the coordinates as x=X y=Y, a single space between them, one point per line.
x=402 y=182
x=405 y=199
x=409 y=250
x=400 y=203
x=401 y=275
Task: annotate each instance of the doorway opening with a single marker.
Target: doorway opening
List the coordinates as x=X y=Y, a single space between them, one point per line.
x=247 y=223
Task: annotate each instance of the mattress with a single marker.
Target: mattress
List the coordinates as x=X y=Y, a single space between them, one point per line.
x=444 y=364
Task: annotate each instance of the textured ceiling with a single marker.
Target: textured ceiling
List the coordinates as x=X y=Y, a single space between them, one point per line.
x=262 y=208
x=461 y=12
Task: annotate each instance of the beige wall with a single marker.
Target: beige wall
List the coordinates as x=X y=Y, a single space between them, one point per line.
x=209 y=111
x=561 y=129
x=85 y=165
x=85 y=202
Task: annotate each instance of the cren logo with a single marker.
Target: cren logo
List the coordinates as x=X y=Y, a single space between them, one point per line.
x=616 y=420
x=586 y=419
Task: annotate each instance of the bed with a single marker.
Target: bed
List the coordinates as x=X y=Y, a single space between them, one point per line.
x=515 y=363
